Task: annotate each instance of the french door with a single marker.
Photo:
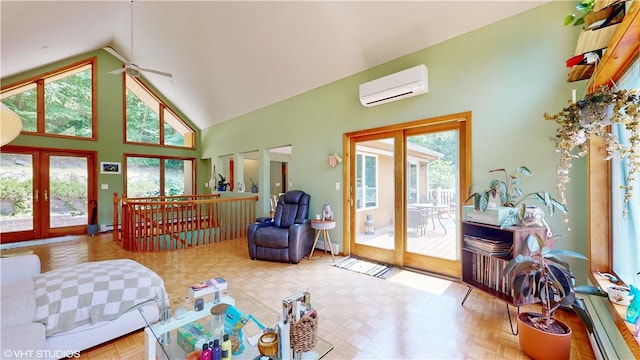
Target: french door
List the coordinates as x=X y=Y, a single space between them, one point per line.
x=45 y=193
x=405 y=185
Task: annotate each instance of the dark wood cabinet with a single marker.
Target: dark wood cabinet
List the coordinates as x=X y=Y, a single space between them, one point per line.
x=486 y=249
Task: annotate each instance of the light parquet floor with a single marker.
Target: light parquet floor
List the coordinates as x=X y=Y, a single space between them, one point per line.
x=409 y=316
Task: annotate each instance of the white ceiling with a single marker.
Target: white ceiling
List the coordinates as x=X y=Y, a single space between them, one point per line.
x=230 y=58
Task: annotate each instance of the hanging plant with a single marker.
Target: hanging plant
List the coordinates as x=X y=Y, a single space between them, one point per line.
x=593 y=116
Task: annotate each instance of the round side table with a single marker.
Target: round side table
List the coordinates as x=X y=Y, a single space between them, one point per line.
x=323 y=226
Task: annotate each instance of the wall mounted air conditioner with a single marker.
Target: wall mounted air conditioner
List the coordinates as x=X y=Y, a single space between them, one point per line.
x=403 y=84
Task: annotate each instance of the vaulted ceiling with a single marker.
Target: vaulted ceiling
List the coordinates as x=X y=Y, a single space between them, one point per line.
x=229 y=58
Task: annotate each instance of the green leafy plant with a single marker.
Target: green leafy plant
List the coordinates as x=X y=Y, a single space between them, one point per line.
x=510 y=194
x=583 y=8
x=543 y=276
x=593 y=116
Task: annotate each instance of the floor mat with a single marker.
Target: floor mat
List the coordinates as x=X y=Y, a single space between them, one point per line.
x=379 y=270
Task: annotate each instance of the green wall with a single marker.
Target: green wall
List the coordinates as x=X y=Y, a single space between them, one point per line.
x=109 y=145
x=507 y=74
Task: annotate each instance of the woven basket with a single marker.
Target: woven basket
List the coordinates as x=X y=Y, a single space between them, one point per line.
x=304 y=333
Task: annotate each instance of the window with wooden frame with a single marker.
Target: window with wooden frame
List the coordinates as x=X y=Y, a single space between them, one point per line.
x=149 y=120
x=148 y=175
x=58 y=103
x=618 y=60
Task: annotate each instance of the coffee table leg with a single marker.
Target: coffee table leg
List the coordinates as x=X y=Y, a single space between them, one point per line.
x=150 y=344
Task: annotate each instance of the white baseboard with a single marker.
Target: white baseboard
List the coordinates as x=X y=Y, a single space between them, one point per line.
x=336 y=247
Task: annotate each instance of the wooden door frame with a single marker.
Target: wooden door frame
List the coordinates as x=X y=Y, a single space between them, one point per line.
x=452 y=268
x=41 y=224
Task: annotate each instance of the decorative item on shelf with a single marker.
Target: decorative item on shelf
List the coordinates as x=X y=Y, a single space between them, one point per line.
x=334 y=160
x=633 y=311
x=254 y=186
x=592 y=116
x=369 y=225
x=327 y=214
x=241 y=187
x=545 y=277
x=222 y=183
x=511 y=199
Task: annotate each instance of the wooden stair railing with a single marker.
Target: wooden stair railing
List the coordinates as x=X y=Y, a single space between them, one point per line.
x=175 y=222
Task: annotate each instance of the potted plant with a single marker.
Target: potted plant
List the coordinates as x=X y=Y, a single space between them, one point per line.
x=222 y=183
x=254 y=186
x=543 y=276
x=511 y=197
x=592 y=116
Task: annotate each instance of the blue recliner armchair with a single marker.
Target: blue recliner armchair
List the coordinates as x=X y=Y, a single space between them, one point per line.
x=288 y=237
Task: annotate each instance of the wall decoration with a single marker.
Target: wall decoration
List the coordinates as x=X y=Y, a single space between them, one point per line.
x=109 y=167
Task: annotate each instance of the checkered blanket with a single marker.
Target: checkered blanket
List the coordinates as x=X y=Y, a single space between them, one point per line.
x=93 y=292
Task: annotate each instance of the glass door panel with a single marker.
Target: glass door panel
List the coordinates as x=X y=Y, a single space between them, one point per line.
x=67 y=196
x=374 y=195
x=431 y=208
x=44 y=193
x=17 y=192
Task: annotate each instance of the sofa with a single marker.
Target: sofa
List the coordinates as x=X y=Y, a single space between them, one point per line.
x=288 y=236
x=59 y=313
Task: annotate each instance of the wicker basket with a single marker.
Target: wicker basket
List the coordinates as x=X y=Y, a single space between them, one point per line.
x=304 y=333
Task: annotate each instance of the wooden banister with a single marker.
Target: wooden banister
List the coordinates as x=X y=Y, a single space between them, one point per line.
x=174 y=222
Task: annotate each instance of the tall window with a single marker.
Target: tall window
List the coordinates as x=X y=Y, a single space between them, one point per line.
x=60 y=103
x=150 y=121
x=366 y=181
x=158 y=176
x=625 y=233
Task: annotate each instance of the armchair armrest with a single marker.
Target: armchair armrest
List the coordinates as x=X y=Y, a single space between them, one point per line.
x=17 y=268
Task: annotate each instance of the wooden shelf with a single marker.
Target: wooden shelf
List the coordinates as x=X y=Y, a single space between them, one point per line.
x=484 y=272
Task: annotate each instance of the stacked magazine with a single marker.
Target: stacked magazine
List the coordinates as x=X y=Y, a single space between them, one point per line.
x=210 y=286
x=487 y=247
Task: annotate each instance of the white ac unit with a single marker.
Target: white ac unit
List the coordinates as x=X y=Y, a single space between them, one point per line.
x=403 y=84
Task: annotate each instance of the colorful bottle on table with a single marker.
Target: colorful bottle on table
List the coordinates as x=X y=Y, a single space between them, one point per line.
x=216 y=353
x=206 y=352
x=225 y=347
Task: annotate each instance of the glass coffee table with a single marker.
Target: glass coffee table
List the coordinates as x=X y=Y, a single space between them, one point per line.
x=161 y=337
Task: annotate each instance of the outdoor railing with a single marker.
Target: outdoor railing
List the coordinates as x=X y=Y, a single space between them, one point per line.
x=175 y=222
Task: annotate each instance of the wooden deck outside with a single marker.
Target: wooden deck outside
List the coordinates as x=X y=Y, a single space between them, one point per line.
x=437 y=240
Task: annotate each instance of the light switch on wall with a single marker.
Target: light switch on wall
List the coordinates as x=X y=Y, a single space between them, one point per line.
x=337 y=185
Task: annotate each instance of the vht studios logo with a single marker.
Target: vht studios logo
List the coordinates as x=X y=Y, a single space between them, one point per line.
x=40 y=354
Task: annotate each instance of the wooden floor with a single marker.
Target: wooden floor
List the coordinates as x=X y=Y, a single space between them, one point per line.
x=408 y=316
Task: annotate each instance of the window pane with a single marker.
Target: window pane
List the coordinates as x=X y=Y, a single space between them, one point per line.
x=174 y=130
x=625 y=232
x=370 y=178
x=359 y=188
x=16 y=192
x=68 y=201
x=68 y=104
x=142 y=120
x=175 y=182
x=23 y=101
x=143 y=177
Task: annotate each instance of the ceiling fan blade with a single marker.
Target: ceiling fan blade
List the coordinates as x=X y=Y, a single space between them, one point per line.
x=114 y=53
x=157 y=72
x=117 y=71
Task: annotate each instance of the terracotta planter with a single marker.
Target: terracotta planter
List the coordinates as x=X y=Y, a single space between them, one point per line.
x=543 y=345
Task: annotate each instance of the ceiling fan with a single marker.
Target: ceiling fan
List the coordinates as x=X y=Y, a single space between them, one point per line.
x=130 y=68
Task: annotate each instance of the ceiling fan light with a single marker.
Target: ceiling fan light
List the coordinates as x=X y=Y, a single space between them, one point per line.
x=10 y=125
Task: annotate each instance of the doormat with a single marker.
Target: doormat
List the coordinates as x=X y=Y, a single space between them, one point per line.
x=379 y=270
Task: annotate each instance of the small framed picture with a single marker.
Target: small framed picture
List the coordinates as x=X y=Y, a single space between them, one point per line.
x=109 y=167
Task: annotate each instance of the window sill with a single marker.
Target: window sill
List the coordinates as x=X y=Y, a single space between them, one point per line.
x=618 y=315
